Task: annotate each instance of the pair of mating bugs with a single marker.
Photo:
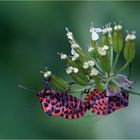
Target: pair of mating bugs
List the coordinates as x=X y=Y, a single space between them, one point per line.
x=63 y=104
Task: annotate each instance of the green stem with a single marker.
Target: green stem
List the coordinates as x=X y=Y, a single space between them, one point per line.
x=97 y=63
x=123 y=68
x=116 y=60
x=81 y=89
x=131 y=91
x=111 y=56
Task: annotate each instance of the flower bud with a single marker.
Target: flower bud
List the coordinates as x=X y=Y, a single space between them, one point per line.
x=59 y=82
x=104 y=58
x=105 y=63
x=95 y=47
x=117 y=39
x=104 y=40
x=129 y=49
x=91 y=52
x=55 y=81
x=78 y=80
x=106 y=37
x=82 y=55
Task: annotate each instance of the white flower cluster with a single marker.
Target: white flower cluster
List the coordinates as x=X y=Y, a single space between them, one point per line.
x=69 y=34
x=94 y=72
x=88 y=64
x=103 y=51
x=130 y=36
x=71 y=69
x=90 y=49
x=117 y=27
x=46 y=73
x=94 y=31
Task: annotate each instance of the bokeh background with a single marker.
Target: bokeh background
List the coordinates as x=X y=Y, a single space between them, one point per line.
x=31 y=33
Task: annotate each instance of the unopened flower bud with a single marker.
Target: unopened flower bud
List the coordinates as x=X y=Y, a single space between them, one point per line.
x=55 y=81
x=129 y=49
x=59 y=83
x=117 y=39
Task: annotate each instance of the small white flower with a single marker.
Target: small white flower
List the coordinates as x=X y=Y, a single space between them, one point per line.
x=46 y=73
x=94 y=72
x=90 y=49
x=130 y=36
x=107 y=28
x=75 y=57
x=133 y=37
x=71 y=69
x=69 y=34
x=75 y=70
x=63 y=56
x=102 y=51
x=72 y=51
x=74 y=45
x=91 y=63
x=94 y=31
x=117 y=27
x=72 y=41
x=85 y=65
x=88 y=64
x=105 y=47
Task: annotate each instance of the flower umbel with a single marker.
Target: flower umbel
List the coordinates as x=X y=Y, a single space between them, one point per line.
x=96 y=70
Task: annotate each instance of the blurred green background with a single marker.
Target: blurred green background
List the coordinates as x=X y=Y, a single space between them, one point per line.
x=31 y=33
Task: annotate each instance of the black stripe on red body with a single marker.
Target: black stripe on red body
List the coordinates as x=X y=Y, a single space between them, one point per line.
x=100 y=104
x=57 y=103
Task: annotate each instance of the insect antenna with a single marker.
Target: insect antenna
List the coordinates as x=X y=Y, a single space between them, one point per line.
x=26 y=88
x=31 y=90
